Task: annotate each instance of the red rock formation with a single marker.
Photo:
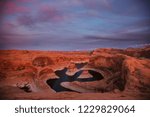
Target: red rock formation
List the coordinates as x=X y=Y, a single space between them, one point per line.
x=126 y=72
x=42 y=61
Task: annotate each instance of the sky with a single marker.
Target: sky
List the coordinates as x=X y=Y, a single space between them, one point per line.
x=74 y=24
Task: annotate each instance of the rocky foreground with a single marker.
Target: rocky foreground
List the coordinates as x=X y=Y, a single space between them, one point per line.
x=98 y=74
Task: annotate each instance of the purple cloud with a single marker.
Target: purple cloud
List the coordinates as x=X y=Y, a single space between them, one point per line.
x=26 y=20
x=45 y=13
x=81 y=23
x=49 y=13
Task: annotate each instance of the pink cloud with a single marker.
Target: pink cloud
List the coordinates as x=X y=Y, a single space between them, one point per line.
x=8 y=25
x=1 y=4
x=44 y=14
x=24 y=0
x=12 y=8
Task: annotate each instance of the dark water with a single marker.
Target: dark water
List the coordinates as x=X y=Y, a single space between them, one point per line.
x=63 y=77
x=80 y=65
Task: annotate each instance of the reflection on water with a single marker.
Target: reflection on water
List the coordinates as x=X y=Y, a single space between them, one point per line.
x=63 y=77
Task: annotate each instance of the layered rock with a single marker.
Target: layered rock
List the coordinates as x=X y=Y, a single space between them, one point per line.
x=123 y=71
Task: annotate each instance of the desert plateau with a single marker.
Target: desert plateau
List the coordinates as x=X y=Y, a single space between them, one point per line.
x=104 y=73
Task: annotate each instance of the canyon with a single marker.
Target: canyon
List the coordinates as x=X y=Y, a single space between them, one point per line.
x=104 y=73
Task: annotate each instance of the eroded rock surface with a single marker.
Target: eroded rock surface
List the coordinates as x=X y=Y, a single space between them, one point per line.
x=116 y=73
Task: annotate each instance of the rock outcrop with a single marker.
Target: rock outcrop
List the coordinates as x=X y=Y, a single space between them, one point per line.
x=101 y=72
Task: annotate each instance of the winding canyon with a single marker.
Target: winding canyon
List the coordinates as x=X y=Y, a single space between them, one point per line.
x=99 y=74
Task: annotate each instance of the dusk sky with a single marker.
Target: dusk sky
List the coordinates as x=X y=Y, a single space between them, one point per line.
x=73 y=24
